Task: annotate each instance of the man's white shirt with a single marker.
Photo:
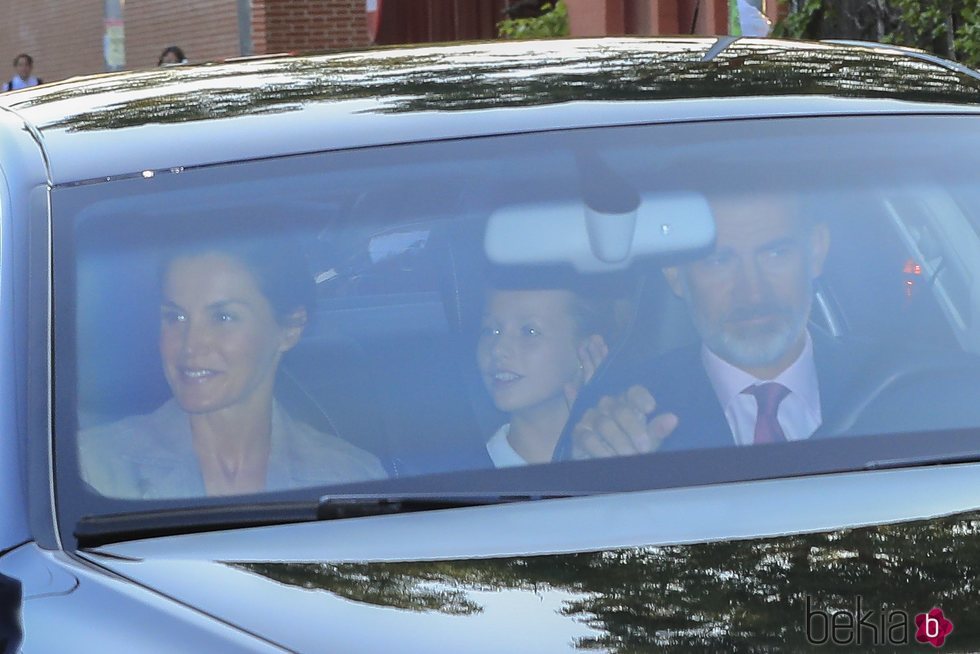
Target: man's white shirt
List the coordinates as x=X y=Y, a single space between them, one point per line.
x=16 y=83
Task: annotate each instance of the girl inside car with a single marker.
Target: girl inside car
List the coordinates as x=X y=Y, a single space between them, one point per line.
x=537 y=348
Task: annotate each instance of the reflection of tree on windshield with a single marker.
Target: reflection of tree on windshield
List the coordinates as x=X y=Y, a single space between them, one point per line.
x=372 y=585
x=472 y=77
x=747 y=595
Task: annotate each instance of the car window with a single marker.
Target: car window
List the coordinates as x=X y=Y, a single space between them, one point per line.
x=339 y=318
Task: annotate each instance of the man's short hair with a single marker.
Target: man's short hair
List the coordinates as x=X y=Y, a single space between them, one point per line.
x=24 y=55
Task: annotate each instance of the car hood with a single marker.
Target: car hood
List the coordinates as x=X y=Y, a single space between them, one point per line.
x=747 y=595
x=628 y=572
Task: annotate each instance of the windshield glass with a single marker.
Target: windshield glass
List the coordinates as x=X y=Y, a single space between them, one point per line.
x=344 y=320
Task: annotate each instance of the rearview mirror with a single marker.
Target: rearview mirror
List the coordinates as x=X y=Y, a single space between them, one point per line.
x=593 y=240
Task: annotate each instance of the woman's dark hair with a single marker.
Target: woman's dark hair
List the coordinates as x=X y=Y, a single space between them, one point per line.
x=277 y=263
x=175 y=51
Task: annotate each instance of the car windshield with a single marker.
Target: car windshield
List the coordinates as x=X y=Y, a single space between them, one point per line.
x=426 y=315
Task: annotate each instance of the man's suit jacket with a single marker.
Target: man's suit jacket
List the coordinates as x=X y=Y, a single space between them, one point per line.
x=680 y=385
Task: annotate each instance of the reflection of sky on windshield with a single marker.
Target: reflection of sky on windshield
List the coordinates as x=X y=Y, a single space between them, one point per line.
x=511 y=621
x=300 y=618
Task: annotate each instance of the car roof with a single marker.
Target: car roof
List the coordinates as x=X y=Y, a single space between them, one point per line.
x=103 y=126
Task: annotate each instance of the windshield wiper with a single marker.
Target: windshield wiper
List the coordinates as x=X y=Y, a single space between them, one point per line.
x=94 y=531
x=333 y=507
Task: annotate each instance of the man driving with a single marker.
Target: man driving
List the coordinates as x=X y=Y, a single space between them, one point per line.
x=757 y=375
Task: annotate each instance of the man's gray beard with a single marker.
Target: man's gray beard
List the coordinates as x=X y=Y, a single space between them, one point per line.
x=756 y=351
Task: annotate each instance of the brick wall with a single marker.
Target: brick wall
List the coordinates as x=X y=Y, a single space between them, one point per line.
x=205 y=30
x=302 y=25
x=664 y=17
x=63 y=36
x=425 y=21
x=260 y=41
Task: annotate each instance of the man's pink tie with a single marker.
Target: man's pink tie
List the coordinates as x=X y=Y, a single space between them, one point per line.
x=767 y=397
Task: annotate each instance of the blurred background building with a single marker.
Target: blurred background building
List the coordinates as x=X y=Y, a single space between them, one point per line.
x=74 y=37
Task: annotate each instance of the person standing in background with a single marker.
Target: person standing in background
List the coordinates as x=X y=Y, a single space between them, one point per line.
x=23 y=65
x=171 y=56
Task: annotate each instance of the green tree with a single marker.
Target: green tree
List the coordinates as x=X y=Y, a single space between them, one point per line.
x=553 y=21
x=949 y=28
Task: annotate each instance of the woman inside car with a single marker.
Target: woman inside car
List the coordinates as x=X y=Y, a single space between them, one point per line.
x=229 y=311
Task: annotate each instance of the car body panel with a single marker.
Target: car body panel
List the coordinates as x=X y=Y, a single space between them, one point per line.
x=592 y=523
x=70 y=603
x=722 y=595
x=205 y=145
x=396 y=95
x=22 y=169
